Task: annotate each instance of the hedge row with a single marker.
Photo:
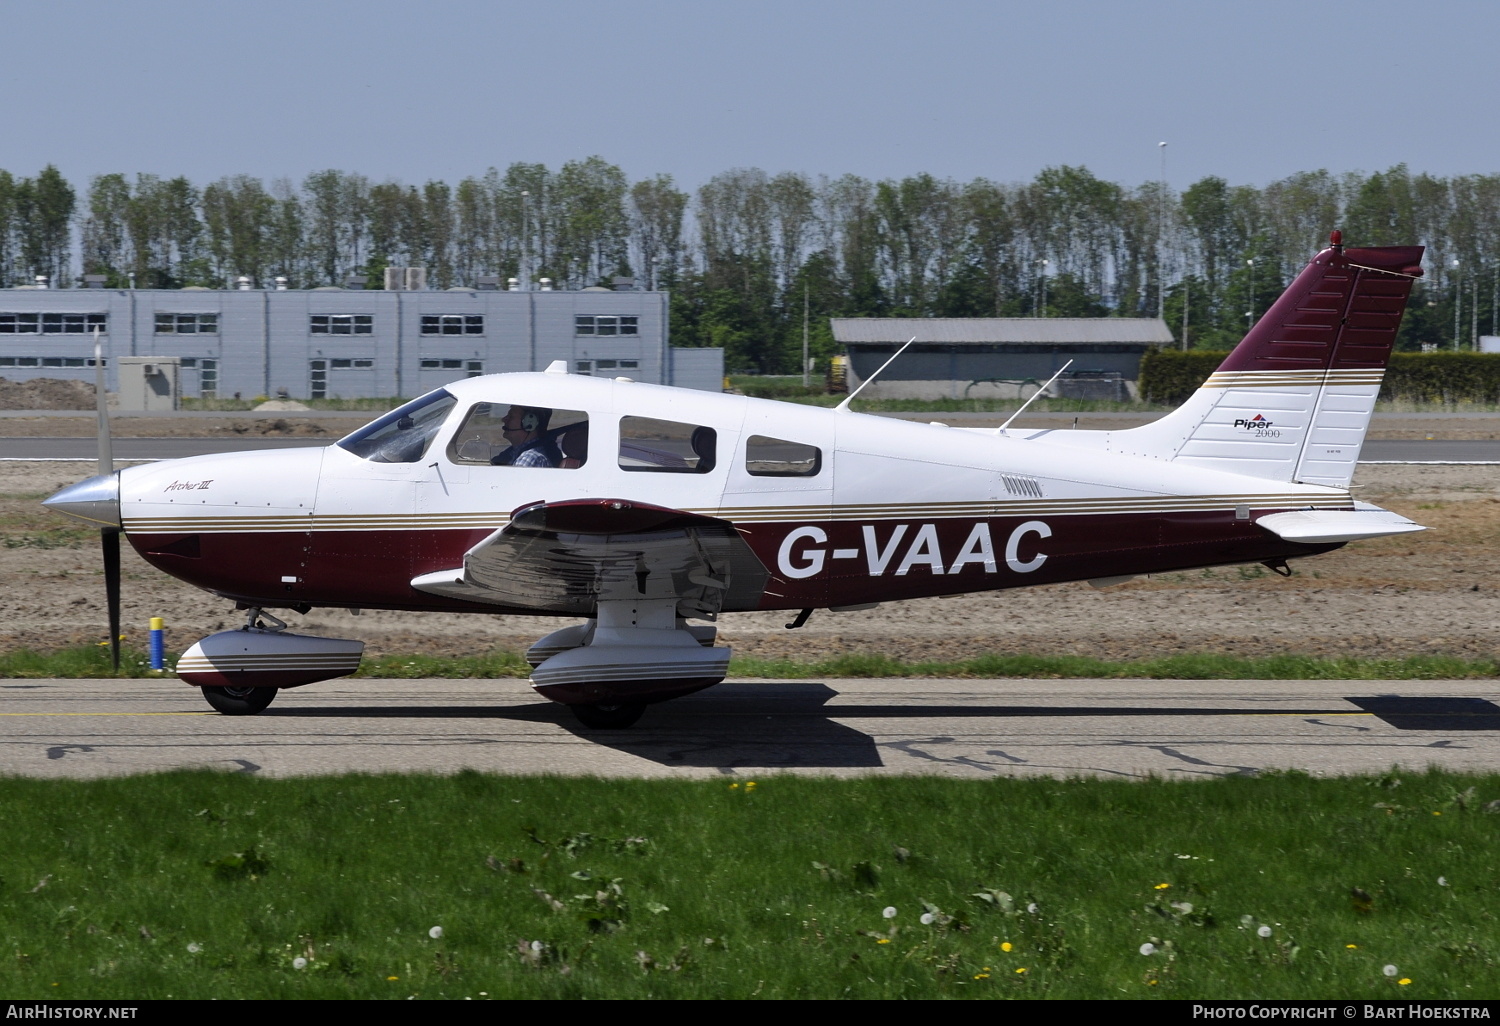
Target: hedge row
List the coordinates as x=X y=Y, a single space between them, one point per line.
x=1168 y=376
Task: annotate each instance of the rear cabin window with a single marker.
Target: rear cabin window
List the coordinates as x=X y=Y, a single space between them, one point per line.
x=515 y=435
x=777 y=457
x=666 y=447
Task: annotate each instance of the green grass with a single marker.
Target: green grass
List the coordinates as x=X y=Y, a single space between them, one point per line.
x=209 y=885
x=93 y=661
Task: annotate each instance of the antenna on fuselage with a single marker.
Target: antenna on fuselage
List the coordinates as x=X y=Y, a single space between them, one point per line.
x=1041 y=391
x=850 y=398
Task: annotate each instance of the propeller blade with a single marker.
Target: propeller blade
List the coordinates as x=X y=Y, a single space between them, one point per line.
x=109 y=540
x=109 y=537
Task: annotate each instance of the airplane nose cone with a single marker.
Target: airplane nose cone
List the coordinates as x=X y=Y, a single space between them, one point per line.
x=96 y=500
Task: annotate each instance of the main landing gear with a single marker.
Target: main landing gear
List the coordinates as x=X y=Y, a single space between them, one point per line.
x=634 y=653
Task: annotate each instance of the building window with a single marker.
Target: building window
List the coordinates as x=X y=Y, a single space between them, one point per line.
x=52 y=323
x=452 y=324
x=342 y=324
x=606 y=325
x=471 y=368
x=49 y=361
x=608 y=368
x=353 y=364
x=187 y=324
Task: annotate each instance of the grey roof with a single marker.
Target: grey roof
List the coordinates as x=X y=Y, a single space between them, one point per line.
x=1001 y=330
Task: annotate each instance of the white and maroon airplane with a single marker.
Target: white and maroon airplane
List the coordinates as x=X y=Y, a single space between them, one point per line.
x=638 y=508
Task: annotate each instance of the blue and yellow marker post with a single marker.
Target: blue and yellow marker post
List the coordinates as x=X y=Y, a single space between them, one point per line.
x=158 y=644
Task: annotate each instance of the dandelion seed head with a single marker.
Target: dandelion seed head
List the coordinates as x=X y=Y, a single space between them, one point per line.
x=194 y=948
x=890 y=912
x=1442 y=881
x=537 y=945
x=1264 y=931
x=436 y=933
x=1390 y=970
x=299 y=963
x=1148 y=948
x=1032 y=908
x=926 y=918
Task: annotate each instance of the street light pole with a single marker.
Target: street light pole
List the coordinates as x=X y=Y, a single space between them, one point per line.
x=1161 y=239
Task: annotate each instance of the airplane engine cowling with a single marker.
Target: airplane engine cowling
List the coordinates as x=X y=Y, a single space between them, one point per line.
x=252 y=657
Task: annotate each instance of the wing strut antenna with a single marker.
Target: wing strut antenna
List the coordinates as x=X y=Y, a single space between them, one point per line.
x=850 y=397
x=1041 y=391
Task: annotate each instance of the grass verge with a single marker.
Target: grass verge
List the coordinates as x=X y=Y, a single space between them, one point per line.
x=93 y=661
x=201 y=885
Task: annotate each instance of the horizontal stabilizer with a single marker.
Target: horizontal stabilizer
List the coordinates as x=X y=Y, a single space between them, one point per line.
x=1321 y=526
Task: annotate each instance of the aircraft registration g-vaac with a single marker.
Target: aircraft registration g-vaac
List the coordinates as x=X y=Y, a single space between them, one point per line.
x=640 y=508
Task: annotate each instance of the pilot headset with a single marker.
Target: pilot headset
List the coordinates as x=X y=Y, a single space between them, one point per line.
x=530 y=421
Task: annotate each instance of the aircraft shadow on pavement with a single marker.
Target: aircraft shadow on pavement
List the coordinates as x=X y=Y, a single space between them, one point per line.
x=1433 y=712
x=767 y=726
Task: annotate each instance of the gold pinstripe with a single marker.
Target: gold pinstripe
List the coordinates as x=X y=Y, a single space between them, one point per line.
x=1283 y=378
x=763 y=514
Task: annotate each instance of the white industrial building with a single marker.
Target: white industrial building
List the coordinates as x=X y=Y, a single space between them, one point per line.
x=346 y=343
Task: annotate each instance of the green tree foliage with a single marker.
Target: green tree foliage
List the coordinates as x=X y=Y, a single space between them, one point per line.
x=745 y=252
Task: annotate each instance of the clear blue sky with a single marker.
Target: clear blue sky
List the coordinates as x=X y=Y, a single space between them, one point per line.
x=1251 y=91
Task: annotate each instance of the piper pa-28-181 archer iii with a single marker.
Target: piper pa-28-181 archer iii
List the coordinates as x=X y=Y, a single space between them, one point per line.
x=640 y=508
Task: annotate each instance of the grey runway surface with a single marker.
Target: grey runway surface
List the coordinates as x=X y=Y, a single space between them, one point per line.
x=1375 y=450
x=959 y=728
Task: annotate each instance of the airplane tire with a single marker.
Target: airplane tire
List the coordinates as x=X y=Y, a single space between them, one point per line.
x=609 y=717
x=239 y=701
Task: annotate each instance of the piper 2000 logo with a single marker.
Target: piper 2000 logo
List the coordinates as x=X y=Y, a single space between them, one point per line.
x=803 y=553
x=1262 y=427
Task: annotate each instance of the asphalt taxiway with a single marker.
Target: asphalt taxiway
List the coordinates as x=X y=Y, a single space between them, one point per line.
x=845 y=727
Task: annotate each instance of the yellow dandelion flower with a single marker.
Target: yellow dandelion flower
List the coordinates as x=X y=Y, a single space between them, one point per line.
x=1403 y=981
x=1162 y=886
x=1150 y=983
x=1437 y=813
x=883 y=940
x=393 y=977
x=1351 y=947
x=1006 y=946
x=1021 y=971
x=733 y=787
x=981 y=976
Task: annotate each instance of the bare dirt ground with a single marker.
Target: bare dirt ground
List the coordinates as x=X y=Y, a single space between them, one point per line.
x=1434 y=592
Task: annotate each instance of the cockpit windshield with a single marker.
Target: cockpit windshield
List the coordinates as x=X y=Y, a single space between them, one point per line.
x=402 y=435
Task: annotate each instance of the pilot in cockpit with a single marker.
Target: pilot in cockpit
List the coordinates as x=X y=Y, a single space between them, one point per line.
x=525 y=429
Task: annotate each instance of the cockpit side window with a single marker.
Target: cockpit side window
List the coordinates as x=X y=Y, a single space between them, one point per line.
x=515 y=435
x=777 y=457
x=404 y=434
x=666 y=447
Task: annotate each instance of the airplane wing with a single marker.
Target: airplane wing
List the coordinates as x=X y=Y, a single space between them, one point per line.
x=565 y=557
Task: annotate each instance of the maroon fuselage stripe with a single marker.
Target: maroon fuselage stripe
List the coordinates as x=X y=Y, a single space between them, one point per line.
x=370 y=569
